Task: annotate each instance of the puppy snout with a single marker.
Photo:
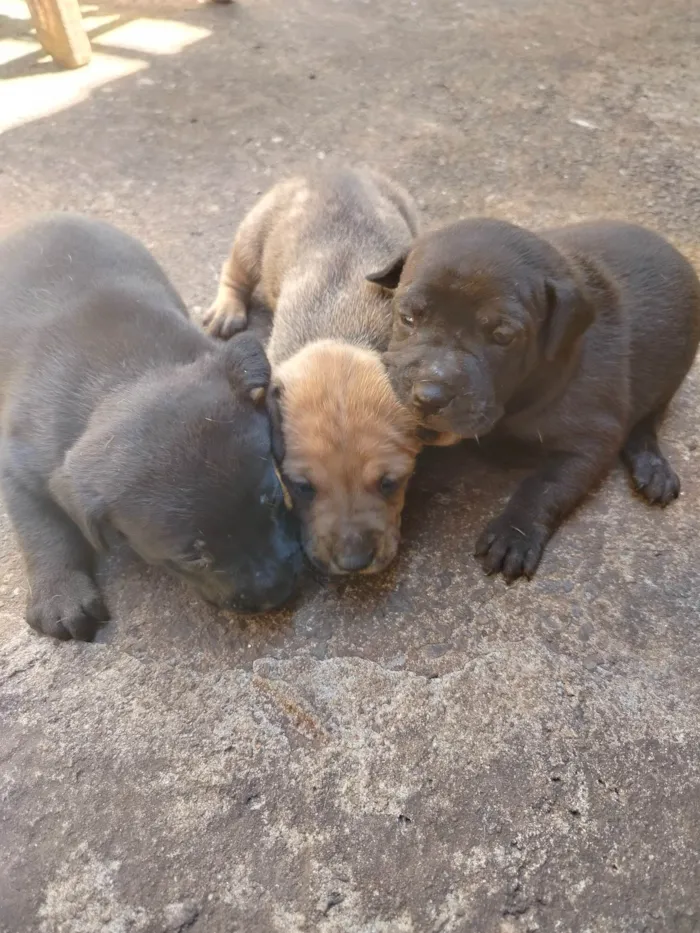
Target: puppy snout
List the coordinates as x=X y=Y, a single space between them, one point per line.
x=355 y=552
x=261 y=595
x=432 y=397
x=261 y=587
x=254 y=602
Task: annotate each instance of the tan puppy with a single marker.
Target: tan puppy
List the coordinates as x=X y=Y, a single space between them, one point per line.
x=346 y=445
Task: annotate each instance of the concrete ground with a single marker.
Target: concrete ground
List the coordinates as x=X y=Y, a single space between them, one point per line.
x=431 y=750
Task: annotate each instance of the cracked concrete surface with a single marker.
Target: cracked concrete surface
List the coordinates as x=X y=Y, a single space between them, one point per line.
x=431 y=750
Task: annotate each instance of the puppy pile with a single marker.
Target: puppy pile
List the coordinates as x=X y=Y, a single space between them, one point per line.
x=120 y=417
x=345 y=443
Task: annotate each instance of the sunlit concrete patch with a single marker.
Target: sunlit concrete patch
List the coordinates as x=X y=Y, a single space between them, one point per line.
x=95 y=20
x=13 y=49
x=32 y=97
x=14 y=9
x=16 y=40
x=153 y=36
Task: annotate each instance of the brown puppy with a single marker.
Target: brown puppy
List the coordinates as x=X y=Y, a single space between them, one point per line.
x=576 y=339
x=345 y=444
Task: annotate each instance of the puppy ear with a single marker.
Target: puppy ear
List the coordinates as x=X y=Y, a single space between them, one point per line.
x=275 y=412
x=390 y=275
x=569 y=315
x=81 y=502
x=247 y=365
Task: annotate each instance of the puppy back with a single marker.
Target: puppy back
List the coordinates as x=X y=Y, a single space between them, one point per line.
x=332 y=229
x=652 y=298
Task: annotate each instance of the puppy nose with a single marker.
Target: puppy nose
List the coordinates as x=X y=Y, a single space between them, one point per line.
x=431 y=396
x=353 y=561
x=355 y=555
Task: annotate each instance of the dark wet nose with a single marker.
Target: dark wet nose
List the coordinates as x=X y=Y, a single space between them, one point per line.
x=262 y=600
x=431 y=396
x=267 y=585
x=355 y=554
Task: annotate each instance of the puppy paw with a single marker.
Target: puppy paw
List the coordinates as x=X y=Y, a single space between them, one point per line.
x=71 y=607
x=654 y=479
x=226 y=317
x=512 y=546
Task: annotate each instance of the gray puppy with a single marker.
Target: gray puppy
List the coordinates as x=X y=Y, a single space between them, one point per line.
x=120 y=415
x=346 y=445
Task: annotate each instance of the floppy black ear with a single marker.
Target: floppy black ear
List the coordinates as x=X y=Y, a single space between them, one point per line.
x=569 y=315
x=275 y=412
x=247 y=365
x=390 y=275
x=79 y=500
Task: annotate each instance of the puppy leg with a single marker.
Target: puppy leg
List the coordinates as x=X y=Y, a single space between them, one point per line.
x=63 y=599
x=229 y=312
x=242 y=271
x=515 y=541
x=649 y=470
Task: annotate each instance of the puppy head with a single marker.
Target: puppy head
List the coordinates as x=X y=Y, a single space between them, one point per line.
x=348 y=451
x=479 y=305
x=180 y=464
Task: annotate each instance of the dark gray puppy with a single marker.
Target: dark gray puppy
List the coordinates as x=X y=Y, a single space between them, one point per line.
x=575 y=339
x=120 y=415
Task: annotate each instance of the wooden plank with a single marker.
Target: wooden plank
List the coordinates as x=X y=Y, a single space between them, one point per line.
x=59 y=28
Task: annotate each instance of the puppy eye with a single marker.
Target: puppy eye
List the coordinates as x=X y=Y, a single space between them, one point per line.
x=304 y=489
x=388 y=485
x=503 y=336
x=200 y=563
x=189 y=563
x=407 y=318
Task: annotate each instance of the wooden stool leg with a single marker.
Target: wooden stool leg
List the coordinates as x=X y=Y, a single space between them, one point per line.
x=60 y=31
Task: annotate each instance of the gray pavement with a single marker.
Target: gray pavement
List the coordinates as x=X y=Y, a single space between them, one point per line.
x=431 y=750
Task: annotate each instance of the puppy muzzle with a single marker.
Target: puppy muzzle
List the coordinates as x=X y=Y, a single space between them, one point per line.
x=359 y=553
x=257 y=593
x=252 y=585
x=469 y=423
x=455 y=396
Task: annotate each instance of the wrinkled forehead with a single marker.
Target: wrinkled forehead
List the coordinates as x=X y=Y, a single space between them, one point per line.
x=223 y=453
x=472 y=286
x=473 y=282
x=209 y=494
x=478 y=260
x=350 y=460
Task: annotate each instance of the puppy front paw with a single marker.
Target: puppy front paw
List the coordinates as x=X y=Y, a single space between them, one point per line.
x=511 y=545
x=226 y=317
x=654 y=478
x=69 y=607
